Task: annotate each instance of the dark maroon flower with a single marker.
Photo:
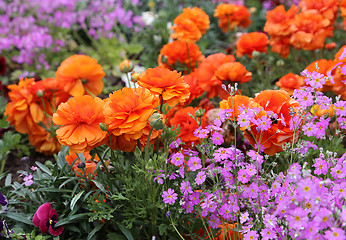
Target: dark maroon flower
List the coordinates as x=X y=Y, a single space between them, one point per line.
x=2 y=65
x=45 y=217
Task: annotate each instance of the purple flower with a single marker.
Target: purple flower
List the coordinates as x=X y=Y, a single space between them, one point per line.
x=263 y=123
x=45 y=217
x=177 y=159
x=335 y=234
x=200 y=178
x=185 y=188
x=251 y=235
x=175 y=144
x=194 y=163
x=309 y=129
x=320 y=167
x=3 y=200
x=243 y=176
x=268 y=233
x=169 y=196
x=214 y=221
x=217 y=138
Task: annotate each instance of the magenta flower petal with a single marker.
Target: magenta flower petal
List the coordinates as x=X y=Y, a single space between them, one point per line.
x=44 y=224
x=36 y=221
x=56 y=231
x=43 y=211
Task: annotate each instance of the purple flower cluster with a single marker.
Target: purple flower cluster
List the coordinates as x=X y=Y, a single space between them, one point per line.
x=36 y=27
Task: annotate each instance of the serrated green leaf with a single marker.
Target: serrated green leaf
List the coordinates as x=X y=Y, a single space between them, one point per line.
x=75 y=199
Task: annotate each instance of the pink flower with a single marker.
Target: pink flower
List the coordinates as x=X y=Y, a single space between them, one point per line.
x=169 y=196
x=200 y=178
x=194 y=163
x=335 y=233
x=243 y=177
x=177 y=159
x=45 y=217
x=217 y=138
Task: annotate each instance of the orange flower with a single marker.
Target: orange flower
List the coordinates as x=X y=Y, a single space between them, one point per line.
x=327 y=8
x=319 y=112
x=90 y=165
x=330 y=46
x=254 y=41
x=231 y=15
x=177 y=53
x=187 y=124
x=195 y=89
x=338 y=55
x=127 y=112
x=279 y=102
x=309 y=30
x=43 y=141
x=206 y=71
x=79 y=118
x=190 y=25
x=289 y=82
x=166 y=83
x=233 y=72
x=278 y=26
x=343 y=8
x=79 y=75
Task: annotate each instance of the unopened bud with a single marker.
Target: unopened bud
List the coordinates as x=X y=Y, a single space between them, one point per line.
x=81 y=165
x=134 y=77
x=280 y=63
x=126 y=66
x=164 y=59
x=40 y=93
x=200 y=112
x=157 y=121
x=256 y=54
x=104 y=127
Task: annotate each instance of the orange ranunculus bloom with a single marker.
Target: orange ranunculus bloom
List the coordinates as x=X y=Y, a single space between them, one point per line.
x=254 y=41
x=279 y=21
x=195 y=89
x=327 y=8
x=309 y=30
x=177 y=53
x=324 y=66
x=127 y=112
x=233 y=72
x=319 y=112
x=338 y=55
x=290 y=82
x=79 y=118
x=90 y=165
x=187 y=124
x=330 y=46
x=206 y=72
x=168 y=84
x=278 y=26
x=190 y=25
x=79 y=75
x=231 y=15
x=199 y=17
x=279 y=102
x=43 y=141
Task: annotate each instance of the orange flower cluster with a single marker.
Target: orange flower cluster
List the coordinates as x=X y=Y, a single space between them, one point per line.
x=290 y=82
x=218 y=69
x=168 y=85
x=194 y=87
x=79 y=75
x=305 y=30
x=276 y=101
x=32 y=104
x=231 y=15
x=179 y=54
x=79 y=118
x=90 y=164
x=187 y=124
x=343 y=12
x=190 y=25
x=254 y=41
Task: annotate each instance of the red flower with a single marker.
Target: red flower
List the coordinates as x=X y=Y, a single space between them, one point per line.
x=2 y=65
x=45 y=217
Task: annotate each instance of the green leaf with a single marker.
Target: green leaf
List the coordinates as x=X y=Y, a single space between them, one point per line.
x=75 y=199
x=70 y=219
x=163 y=229
x=61 y=157
x=8 y=180
x=44 y=168
x=99 y=186
x=92 y=233
x=125 y=231
x=17 y=217
x=112 y=236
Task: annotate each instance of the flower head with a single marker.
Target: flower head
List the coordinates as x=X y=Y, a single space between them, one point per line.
x=45 y=217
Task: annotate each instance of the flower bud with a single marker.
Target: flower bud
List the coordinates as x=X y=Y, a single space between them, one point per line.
x=280 y=63
x=199 y=113
x=134 y=77
x=256 y=54
x=104 y=127
x=40 y=93
x=81 y=165
x=157 y=121
x=126 y=66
